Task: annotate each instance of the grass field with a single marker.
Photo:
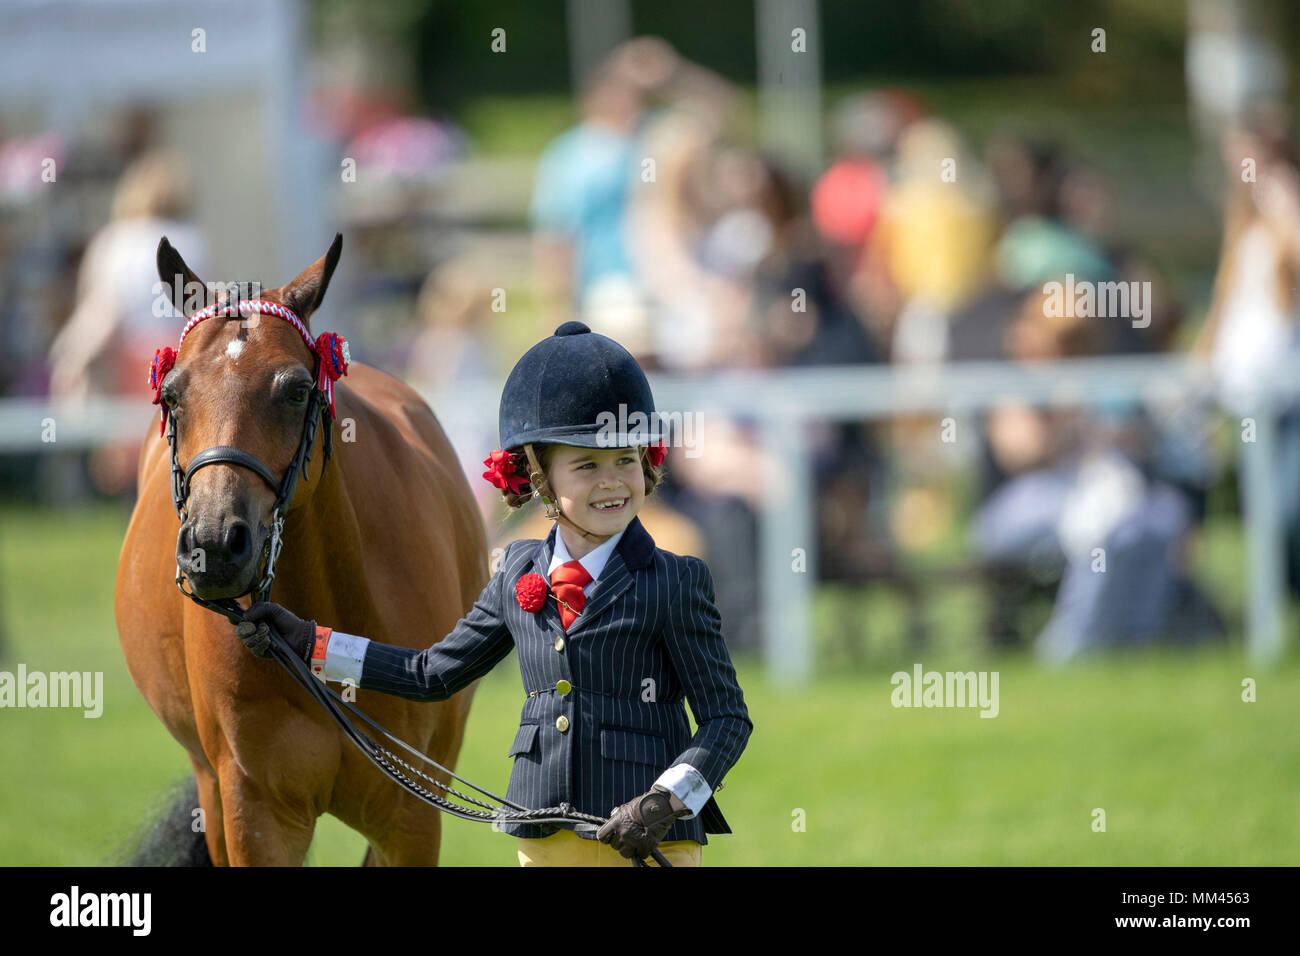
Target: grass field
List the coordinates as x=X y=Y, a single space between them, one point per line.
x=1186 y=772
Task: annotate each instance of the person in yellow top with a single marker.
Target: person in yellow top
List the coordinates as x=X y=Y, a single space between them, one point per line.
x=936 y=226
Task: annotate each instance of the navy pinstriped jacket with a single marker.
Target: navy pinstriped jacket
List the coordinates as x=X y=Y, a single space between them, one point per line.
x=649 y=617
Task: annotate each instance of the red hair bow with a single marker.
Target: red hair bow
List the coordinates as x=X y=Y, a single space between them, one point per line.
x=501 y=472
x=657 y=453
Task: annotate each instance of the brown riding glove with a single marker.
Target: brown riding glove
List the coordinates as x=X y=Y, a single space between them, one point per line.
x=636 y=827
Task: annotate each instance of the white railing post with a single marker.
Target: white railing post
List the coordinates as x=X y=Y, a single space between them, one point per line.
x=1265 y=555
x=788 y=550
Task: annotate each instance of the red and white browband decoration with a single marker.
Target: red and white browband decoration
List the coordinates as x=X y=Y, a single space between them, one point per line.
x=330 y=347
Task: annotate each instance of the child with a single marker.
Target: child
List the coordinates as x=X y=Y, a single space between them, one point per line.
x=607 y=651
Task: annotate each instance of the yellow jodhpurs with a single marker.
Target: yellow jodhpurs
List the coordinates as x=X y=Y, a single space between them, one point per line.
x=566 y=848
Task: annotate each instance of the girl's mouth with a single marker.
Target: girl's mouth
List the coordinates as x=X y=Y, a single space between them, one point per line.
x=613 y=506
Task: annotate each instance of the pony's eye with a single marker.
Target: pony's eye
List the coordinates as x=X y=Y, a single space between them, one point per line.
x=299 y=394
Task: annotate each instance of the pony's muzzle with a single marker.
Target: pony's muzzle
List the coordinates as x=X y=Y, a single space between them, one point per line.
x=219 y=557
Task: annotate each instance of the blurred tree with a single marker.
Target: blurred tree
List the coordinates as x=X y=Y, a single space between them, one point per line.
x=448 y=41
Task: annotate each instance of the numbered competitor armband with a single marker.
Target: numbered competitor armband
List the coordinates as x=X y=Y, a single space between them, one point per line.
x=338 y=656
x=318 y=650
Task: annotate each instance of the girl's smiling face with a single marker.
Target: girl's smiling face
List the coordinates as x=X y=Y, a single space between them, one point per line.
x=601 y=489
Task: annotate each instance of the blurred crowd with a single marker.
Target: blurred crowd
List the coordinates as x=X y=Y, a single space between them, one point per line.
x=652 y=221
x=911 y=247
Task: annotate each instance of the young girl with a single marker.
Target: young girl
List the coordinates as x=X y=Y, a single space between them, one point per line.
x=612 y=632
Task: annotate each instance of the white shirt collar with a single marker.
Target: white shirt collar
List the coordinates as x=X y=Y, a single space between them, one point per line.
x=594 y=561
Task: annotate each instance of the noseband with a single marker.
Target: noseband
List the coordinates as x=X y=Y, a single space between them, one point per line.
x=332 y=361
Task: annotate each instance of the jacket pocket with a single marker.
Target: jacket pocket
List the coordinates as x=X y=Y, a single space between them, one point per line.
x=525 y=737
x=634 y=747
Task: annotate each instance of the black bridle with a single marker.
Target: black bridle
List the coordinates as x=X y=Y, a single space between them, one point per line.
x=318 y=414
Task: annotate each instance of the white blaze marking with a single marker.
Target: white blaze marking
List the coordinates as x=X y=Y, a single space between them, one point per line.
x=234 y=348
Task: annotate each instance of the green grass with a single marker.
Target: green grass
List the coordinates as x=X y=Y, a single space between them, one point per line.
x=1186 y=772
x=509 y=125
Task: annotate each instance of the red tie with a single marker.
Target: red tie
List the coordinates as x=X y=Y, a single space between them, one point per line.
x=567 y=581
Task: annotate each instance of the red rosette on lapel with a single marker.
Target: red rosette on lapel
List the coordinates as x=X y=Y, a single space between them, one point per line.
x=530 y=592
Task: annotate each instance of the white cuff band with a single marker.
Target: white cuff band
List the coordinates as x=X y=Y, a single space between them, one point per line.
x=345 y=656
x=689 y=785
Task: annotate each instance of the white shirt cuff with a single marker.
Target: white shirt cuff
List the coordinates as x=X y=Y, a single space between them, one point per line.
x=689 y=785
x=344 y=657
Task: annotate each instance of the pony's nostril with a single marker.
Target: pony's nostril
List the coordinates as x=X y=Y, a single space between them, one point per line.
x=187 y=539
x=239 y=542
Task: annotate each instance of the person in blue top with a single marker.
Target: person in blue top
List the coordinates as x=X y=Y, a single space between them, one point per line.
x=613 y=634
x=582 y=190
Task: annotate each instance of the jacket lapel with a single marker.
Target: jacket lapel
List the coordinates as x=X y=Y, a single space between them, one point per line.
x=613 y=581
x=635 y=551
x=549 y=616
x=543 y=552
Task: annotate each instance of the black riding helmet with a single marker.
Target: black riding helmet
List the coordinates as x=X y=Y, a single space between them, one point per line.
x=577 y=387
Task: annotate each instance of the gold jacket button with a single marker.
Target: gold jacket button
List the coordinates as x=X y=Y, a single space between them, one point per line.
x=559 y=643
x=561 y=723
x=563 y=687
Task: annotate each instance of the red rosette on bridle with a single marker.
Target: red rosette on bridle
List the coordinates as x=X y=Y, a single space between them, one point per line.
x=501 y=472
x=332 y=349
x=657 y=453
x=163 y=360
x=530 y=592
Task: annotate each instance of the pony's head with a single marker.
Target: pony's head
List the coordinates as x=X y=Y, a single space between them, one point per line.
x=243 y=380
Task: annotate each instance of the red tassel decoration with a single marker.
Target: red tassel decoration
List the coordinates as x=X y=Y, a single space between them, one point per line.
x=332 y=349
x=163 y=360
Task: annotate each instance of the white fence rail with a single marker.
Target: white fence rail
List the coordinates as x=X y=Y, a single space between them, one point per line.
x=786 y=401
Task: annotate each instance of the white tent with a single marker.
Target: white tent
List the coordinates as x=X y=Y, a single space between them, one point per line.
x=227 y=79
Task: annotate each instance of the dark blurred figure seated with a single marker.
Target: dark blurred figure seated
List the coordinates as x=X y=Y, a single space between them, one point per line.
x=1078 y=496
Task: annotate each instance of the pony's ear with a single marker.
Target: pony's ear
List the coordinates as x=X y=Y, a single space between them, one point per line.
x=179 y=280
x=306 y=292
